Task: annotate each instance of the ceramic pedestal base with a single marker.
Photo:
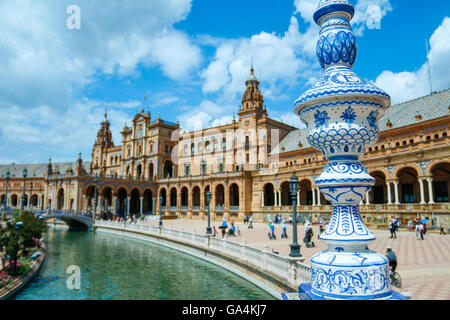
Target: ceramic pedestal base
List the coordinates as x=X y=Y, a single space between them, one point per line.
x=304 y=293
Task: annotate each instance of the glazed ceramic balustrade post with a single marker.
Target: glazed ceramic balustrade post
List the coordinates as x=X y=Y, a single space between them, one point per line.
x=341 y=113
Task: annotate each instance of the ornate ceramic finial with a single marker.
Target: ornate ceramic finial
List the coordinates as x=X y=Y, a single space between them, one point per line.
x=341 y=113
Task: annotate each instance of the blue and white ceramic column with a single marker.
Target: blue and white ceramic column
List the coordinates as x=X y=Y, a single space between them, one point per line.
x=341 y=113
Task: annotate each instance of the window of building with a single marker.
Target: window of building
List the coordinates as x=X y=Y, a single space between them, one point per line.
x=441 y=191
x=203 y=168
x=408 y=193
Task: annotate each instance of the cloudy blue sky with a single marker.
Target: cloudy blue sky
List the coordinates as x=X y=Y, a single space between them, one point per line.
x=191 y=59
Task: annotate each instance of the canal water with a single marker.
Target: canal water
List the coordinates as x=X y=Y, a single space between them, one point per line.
x=120 y=268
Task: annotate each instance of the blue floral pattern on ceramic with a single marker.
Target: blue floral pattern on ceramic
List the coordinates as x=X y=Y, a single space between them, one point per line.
x=343 y=110
x=321 y=118
x=372 y=119
x=349 y=115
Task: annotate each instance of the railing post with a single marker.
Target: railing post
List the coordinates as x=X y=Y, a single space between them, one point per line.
x=293 y=272
x=243 y=245
x=265 y=253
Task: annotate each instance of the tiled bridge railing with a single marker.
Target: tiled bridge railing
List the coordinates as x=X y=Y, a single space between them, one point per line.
x=290 y=270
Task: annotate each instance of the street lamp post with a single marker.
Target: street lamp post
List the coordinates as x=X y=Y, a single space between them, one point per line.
x=25 y=172
x=161 y=199
x=208 y=200
x=7 y=176
x=31 y=196
x=295 y=247
x=95 y=196
x=125 y=212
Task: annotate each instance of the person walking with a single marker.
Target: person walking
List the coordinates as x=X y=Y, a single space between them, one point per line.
x=284 y=226
x=271 y=230
x=250 y=222
x=419 y=231
x=422 y=230
x=392 y=228
x=214 y=231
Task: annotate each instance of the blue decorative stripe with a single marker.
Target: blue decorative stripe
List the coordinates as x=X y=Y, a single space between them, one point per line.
x=344 y=180
x=331 y=158
x=348 y=241
x=332 y=8
x=337 y=296
x=331 y=92
x=351 y=265
x=337 y=103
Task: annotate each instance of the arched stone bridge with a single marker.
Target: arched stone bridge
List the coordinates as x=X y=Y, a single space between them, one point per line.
x=73 y=220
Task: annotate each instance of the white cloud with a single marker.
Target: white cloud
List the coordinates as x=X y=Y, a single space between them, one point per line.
x=206 y=114
x=279 y=60
x=44 y=132
x=407 y=85
x=47 y=64
x=368 y=15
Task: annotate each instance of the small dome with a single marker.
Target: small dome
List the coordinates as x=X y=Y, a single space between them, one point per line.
x=252 y=75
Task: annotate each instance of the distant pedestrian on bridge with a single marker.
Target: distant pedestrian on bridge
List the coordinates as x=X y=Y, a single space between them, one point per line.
x=284 y=226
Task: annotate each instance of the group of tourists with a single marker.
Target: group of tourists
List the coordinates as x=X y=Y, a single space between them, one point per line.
x=419 y=226
x=227 y=230
x=271 y=224
x=393 y=228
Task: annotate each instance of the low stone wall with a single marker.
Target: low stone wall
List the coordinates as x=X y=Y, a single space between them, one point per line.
x=19 y=282
x=273 y=273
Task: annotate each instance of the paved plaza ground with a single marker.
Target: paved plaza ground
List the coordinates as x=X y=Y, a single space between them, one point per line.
x=424 y=265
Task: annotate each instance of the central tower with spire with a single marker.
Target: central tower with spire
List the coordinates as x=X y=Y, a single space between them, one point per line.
x=252 y=100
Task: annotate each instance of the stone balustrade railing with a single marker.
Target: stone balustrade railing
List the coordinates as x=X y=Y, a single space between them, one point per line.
x=288 y=269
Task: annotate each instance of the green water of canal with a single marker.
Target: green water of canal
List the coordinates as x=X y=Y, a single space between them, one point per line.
x=120 y=268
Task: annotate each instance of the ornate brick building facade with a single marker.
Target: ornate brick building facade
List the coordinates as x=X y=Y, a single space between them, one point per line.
x=246 y=165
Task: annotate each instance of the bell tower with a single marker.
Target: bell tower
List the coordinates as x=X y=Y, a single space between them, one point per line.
x=252 y=100
x=104 y=135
